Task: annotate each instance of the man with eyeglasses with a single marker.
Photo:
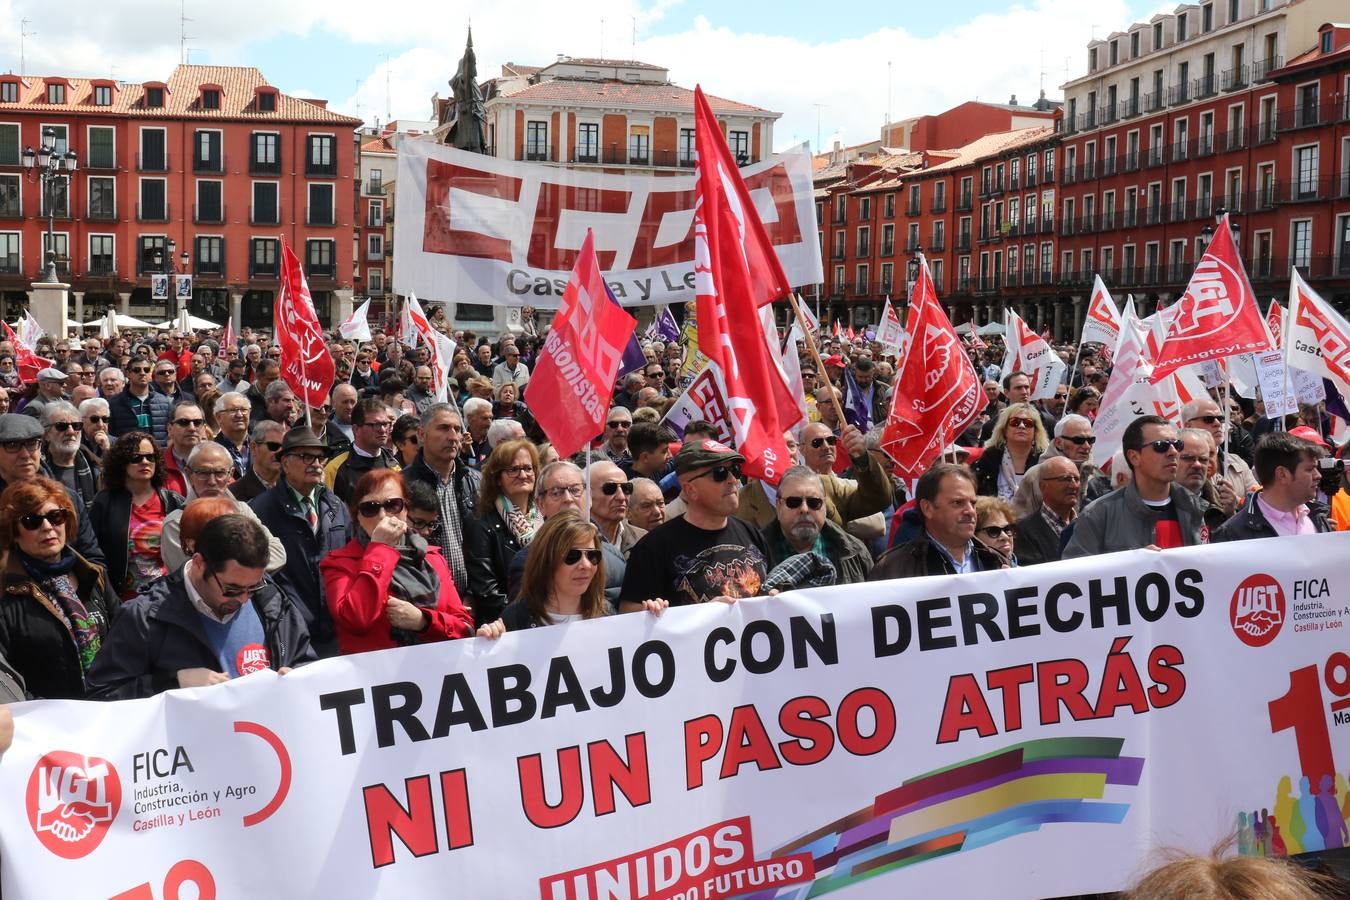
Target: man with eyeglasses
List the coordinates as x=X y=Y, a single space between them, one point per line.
x=1059 y=484
x=1199 y=457
x=511 y=369
x=186 y=429
x=1152 y=510
x=372 y=424
x=61 y=432
x=21 y=460
x=617 y=425
x=214 y=619
x=232 y=412
x=799 y=526
x=845 y=498
x=91 y=355
x=210 y=473
x=456 y=486
x=138 y=408
x=706 y=554
x=311 y=522
x=264 y=467
x=94 y=427
x=610 y=490
x=1204 y=413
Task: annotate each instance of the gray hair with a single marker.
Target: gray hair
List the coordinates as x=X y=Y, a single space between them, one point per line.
x=501 y=430
x=1192 y=409
x=618 y=409
x=94 y=405
x=434 y=409
x=258 y=433
x=113 y=370
x=1071 y=418
x=643 y=482
x=206 y=447
x=553 y=467
x=57 y=407
x=219 y=406
x=1197 y=433
x=253 y=347
x=475 y=405
x=275 y=389
x=805 y=473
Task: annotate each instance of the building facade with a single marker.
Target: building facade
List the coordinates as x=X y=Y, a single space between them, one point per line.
x=205 y=173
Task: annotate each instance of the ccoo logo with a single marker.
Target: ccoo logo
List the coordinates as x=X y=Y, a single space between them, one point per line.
x=71 y=801
x=1257 y=610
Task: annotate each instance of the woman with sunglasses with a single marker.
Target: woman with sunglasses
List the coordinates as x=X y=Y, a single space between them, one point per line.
x=405 y=438
x=507 y=522
x=388 y=587
x=996 y=526
x=564 y=579
x=56 y=607
x=1016 y=445
x=128 y=514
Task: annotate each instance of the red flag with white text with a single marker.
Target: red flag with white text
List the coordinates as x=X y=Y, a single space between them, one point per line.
x=1217 y=317
x=736 y=272
x=937 y=392
x=306 y=364
x=573 y=381
x=1319 y=338
x=25 y=360
x=1275 y=323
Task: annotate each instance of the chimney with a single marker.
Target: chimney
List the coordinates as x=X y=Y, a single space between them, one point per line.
x=1012 y=101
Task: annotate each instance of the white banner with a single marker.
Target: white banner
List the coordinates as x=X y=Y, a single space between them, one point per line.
x=486 y=230
x=1277 y=389
x=1024 y=733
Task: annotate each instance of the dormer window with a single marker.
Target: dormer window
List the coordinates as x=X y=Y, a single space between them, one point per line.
x=267 y=101
x=210 y=98
x=9 y=92
x=154 y=97
x=56 y=93
x=102 y=95
x=1326 y=41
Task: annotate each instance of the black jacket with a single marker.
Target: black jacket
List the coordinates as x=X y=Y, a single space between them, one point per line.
x=257 y=404
x=1250 y=522
x=491 y=546
x=248 y=487
x=919 y=557
x=86 y=542
x=468 y=484
x=1036 y=541
x=280 y=514
x=122 y=416
x=35 y=639
x=159 y=633
x=110 y=514
x=352 y=465
x=987 y=469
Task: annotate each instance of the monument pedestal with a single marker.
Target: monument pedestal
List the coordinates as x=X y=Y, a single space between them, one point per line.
x=47 y=303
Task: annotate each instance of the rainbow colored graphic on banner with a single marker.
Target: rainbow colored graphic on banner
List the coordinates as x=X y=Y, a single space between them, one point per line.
x=967 y=806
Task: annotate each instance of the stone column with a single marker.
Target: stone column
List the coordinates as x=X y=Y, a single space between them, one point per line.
x=237 y=310
x=1077 y=315
x=47 y=303
x=1059 y=321
x=344 y=306
x=124 y=304
x=79 y=307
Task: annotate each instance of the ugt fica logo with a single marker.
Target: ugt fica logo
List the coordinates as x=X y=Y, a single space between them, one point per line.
x=1257 y=610
x=71 y=801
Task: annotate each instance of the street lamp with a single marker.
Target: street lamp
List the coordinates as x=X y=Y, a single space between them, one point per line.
x=47 y=165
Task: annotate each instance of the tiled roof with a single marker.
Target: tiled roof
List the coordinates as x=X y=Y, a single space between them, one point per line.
x=991 y=145
x=597 y=61
x=181 y=100
x=379 y=144
x=510 y=69
x=577 y=92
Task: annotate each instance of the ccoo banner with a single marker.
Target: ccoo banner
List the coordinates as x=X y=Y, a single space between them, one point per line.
x=1024 y=733
x=485 y=230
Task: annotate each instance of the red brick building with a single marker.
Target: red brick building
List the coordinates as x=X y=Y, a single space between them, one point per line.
x=215 y=163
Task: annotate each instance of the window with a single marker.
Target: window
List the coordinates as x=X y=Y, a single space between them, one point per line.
x=206 y=155
x=375 y=181
x=1207 y=18
x=102 y=198
x=1157 y=35
x=1233 y=9
x=864 y=242
x=1305 y=172
x=686 y=148
x=375 y=246
x=11 y=263
x=839 y=245
x=9 y=145
x=1134 y=45
x=887 y=276
x=939 y=235
x=888 y=207
x=60 y=247
x=1204 y=194
x=102 y=95
x=887 y=239
x=11 y=202
x=321 y=155
x=1181 y=27
x=154 y=97
x=9 y=91
x=102 y=148
x=320 y=205
x=375 y=214
x=375 y=281
x=210 y=256
x=150 y=253
x=265 y=153
x=588 y=142
x=939 y=196
x=739 y=142
x=266 y=209
x=913 y=209
x=839 y=284
x=263 y=256
x=1115 y=52
x=210 y=99
x=864 y=209
x=1092 y=59
x=912 y=238
x=319 y=256
x=56 y=93
x=1300 y=243
x=101 y=258
x=267 y=101
x=1307 y=104
x=154 y=205
x=862 y=275
x=1342 y=246
x=154 y=157
x=210 y=202
x=639 y=145
x=1326 y=41
x=536 y=140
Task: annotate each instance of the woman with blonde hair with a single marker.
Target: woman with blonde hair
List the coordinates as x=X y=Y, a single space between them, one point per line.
x=1017 y=442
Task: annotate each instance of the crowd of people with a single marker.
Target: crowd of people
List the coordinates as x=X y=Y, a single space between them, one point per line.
x=172 y=515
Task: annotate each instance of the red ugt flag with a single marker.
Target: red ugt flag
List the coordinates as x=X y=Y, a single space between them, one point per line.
x=28 y=362
x=306 y=364
x=735 y=273
x=1217 y=317
x=569 y=392
x=937 y=392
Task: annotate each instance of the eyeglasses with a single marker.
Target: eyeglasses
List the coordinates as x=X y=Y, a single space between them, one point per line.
x=812 y=503
x=214 y=474
x=238 y=411
x=309 y=459
x=609 y=489
x=817 y=443
x=139 y=370
x=189 y=423
x=1021 y=423
x=422 y=524
x=573 y=556
x=1163 y=445
x=163 y=372
x=569 y=490
x=234 y=590
x=30 y=445
x=1080 y=439
x=393 y=506
x=141 y=458
x=619 y=424
x=1208 y=420
x=721 y=473
x=54 y=517
x=99 y=420
x=1067 y=479
x=65 y=426
x=380 y=425
x=519 y=471
x=993 y=532
x=655 y=374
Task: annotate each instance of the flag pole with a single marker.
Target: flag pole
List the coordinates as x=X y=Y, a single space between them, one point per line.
x=815 y=356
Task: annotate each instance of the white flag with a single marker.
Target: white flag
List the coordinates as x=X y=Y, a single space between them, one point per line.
x=1317 y=338
x=1029 y=353
x=792 y=367
x=890 y=333
x=356 y=327
x=1101 y=323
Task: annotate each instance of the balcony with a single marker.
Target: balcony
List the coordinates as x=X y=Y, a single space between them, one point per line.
x=864 y=250
x=1206 y=86
x=321 y=270
x=1153 y=214
x=939 y=205
x=1265 y=132
x=11 y=207
x=320 y=216
x=963 y=284
x=1050 y=174
x=1236 y=78
x=911 y=209
x=1305 y=190
x=1234 y=139
x=911 y=244
x=267 y=215
x=1069 y=175
x=1014 y=182
x=1180 y=93
x=1179 y=272
x=1305 y=115
x=209 y=214
x=1031 y=178
x=107 y=213
x=373 y=255
x=888 y=248
x=1262 y=68
x=11 y=267
x=1204 y=207
x=101 y=267
x=1068 y=226
x=1265 y=197
x=1154 y=102
x=152 y=162
x=1132 y=161
x=1180 y=152
x=263 y=167
x=639 y=159
x=966 y=202
x=101 y=161
x=1154 y=157
x=156 y=212
x=962 y=242
x=539 y=153
x=375 y=187
x=267 y=270
x=1087 y=224
x=937 y=243
x=1131 y=217
x=214 y=166
x=986 y=188
x=209 y=268
x=320 y=170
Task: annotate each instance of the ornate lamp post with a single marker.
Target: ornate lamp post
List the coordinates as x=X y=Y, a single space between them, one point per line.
x=47 y=165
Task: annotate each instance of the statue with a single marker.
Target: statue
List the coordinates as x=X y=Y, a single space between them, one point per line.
x=468 y=128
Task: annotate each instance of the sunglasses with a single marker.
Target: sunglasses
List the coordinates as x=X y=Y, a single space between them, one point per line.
x=99 y=420
x=1021 y=423
x=611 y=488
x=189 y=423
x=720 y=473
x=812 y=503
x=141 y=457
x=236 y=591
x=1208 y=420
x=33 y=521
x=817 y=443
x=31 y=445
x=166 y=373
x=139 y=370
x=65 y=426
x=393 y=506
x=994 y=532
x=1163 y=445
x=1081 y=439
x=573 y=556
x=618 y=424
x=273 y=446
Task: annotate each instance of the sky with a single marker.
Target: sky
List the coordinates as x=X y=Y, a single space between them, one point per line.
x=833 y=77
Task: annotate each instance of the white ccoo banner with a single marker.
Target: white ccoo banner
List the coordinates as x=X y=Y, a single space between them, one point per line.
x=485 y=230
x=1020 y=734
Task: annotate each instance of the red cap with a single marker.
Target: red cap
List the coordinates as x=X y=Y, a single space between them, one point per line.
x=1308 y=434
x=834 y=360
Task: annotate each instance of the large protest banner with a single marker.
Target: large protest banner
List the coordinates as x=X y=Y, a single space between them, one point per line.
x=485 y=230
x=1016 y=734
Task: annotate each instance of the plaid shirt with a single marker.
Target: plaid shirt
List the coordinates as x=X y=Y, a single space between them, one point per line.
x=449 y=532
x=1057 y=525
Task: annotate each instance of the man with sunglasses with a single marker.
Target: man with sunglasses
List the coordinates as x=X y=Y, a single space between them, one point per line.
x=210 y=473
x=800 y=527
x=138 y=407
x=706 y=554
x=846 y=499
x=264 y=468
x=311 y=522
x=372 y=425
x=94 y=426
x=187 y=426
x=1152 y=510
x=617 y=425
x=1204 y=413
x=610 y=493
x=215 y=619
x=1059 y=484
x=61 y=432
x=51 y=387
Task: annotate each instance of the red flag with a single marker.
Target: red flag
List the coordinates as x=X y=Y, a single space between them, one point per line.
x=573 y=381
x=28 y=362
x=937 y=392
x=1275 y=322
x=735 y=272
x=976 y=342
x=306 y=364
x=227 y=339
x=1217 y=317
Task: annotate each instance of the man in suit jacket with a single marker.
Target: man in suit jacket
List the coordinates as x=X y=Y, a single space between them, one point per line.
x=1038 y=534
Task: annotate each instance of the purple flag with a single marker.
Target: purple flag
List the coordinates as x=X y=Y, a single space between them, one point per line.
x=857 y=411
x=666 y=328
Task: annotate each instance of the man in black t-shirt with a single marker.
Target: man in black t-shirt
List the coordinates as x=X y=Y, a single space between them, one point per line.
x=707 y=553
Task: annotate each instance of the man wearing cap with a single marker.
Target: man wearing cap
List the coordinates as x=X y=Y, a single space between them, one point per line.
x=21 y=460
x=707 y=553
x=834 y=369
x=1286 y=503
x=511 y=369
x=51 y=387
x=310 y=522
x=810 y=383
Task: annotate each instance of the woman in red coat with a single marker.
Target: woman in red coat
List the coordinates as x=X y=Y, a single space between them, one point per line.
x=387 y=587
